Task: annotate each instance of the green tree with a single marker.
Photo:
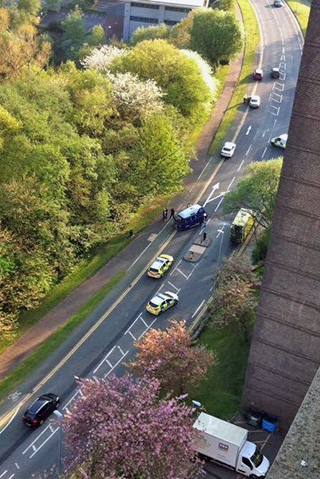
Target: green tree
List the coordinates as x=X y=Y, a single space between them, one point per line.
x=150 y=33
x=256 y=190
x=97 y=36
x=235 y=298
x=53 y=5
x=74 y=33
x=30 y=6
x=216 y=35
x=179 y=77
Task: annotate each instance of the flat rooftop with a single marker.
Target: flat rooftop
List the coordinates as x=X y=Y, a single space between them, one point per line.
x=178 y=3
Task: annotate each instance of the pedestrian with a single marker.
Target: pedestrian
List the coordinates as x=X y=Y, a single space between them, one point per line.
x=172 y=213
x=204 y=237
x=188 y=205
x=165 y=214
x=245 y=98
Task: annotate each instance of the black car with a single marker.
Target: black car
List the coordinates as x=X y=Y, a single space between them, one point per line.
x=41 y=409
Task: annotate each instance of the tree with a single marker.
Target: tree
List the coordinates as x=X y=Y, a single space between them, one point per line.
x=30 y=6
x=171 y=357
x=256 y=190
x=216 y=35
x=97 y=36
x=179 y=77
x=119 y=426
x=180 y=34
x=102 y=58
x=235 y=299
x=74 y=33
x=150 y=33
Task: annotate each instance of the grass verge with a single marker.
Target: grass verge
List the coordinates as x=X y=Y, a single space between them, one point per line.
x=252 y=40
x=55 y=340
x=220 y=393
x=301 y=11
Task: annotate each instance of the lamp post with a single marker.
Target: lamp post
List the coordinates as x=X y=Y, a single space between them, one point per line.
x=59 y=416
x=221 y=232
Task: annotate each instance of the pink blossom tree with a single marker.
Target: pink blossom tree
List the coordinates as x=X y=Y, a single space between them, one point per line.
x=171 y=357
x=120 y=428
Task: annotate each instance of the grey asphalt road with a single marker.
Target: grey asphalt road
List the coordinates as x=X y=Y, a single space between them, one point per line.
x=24 y=452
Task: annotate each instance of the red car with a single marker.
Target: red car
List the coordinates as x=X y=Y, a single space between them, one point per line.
x=258 y=74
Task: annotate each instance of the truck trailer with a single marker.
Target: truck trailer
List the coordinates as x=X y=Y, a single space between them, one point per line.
x=227 y=444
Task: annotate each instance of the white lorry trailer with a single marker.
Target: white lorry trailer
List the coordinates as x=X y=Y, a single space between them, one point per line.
x=227 y=445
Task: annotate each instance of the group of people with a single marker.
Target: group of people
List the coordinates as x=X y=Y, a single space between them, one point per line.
x=165 y=213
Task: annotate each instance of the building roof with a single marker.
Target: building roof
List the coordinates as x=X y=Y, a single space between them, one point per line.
x=178 y=3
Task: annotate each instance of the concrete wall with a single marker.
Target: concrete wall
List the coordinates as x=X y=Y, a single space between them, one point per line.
x=285 y=351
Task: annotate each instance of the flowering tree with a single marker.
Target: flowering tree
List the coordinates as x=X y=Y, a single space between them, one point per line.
x=102 y=57
x=170 y=357
x=134 y=97
x=235 y=300
x=120 y=427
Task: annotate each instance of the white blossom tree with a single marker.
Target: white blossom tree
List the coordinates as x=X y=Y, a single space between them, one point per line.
x=102 y=57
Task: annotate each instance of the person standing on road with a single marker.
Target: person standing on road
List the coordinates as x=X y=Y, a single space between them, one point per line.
x=165 y=214
x=171 y=213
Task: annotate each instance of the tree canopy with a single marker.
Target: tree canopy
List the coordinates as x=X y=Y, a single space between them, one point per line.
x=256 y=190
x=216 y=35
x=171 y=357
x=120 y=427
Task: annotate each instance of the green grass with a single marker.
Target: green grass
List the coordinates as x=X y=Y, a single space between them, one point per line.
x=301 y=12
x=55 y=340
x=252 y=40
x=221 y=392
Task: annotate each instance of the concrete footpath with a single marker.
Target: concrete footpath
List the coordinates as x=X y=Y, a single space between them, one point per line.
x=35 y=336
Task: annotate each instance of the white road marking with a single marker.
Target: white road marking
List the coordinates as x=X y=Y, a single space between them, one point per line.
x=278 y=86
x=230 y=184
x=218 y=205
x=240 y=166
x=108 y=362
x=43 y=443
x=264 y=133
x=175 y=268
x=104 y=359
x=122 y=352
x=200 y=306
x=5 y=472
x=17 y=465
x=11 y=419
x=148 y=327
x=106 y=375
x=264 y=152
x=146 y=324
x=132 y=336
x=203 y=170
x=182 y=273
x=173 y=286
x=248 y=130
x=214 y=188
x=248 y=150
x=36 y=439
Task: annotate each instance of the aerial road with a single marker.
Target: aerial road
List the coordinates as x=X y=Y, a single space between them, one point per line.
x=106 y=339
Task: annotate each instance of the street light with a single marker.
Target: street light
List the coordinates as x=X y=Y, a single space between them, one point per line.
x=59 y=416
x=221 y=232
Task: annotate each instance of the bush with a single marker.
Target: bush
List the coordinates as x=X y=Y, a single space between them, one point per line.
x=259 y=252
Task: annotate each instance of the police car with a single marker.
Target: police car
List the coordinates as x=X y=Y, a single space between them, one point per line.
x=160 y=266
x=280 y=141
x=161 y=302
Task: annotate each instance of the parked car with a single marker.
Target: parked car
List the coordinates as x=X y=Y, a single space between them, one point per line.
x=275 y=72
x=228 y=149
x=161 y=302
x=41 y=409
x=258 y=74
x=277 y=3
x=254 y=101
x=160 y=266
x=192 y=216
x=280 y=141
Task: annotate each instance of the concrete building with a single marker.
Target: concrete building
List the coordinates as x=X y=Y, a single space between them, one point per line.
x=146 y=13
x=285 y=350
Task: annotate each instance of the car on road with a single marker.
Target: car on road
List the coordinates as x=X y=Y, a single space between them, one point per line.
x=277 y=3
x=258 y=74
x=280 y=141
x=275 y=72
x=41 y=409
x=254 y=101
x=161 y=302
x=228 y=149
x=160 y=266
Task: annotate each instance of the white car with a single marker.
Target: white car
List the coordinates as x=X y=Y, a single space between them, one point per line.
x=228 y=149
x=161 y=302
x=280 y=141
x=254 y=101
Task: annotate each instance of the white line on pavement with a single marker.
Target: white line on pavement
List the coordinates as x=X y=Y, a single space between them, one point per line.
x=200 y=306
